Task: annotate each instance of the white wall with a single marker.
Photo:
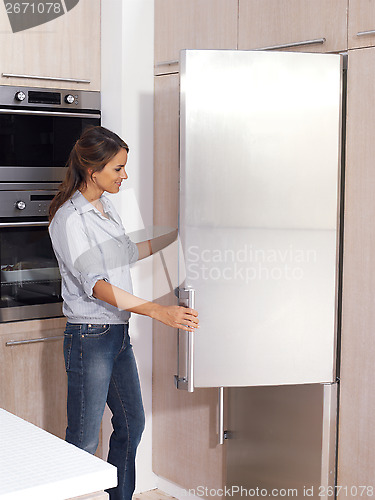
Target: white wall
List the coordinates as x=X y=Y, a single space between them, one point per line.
x=127 y=105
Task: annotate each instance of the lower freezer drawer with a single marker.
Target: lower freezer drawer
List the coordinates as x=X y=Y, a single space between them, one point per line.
x=282 y=441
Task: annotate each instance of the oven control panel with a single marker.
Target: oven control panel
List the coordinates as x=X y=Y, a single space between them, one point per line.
x=41 y=97
x=25 y=203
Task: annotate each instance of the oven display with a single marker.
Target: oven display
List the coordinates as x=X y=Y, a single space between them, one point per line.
x=36 y=97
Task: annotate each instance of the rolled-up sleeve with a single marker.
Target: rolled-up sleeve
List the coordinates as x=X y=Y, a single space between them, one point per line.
x=80 y=255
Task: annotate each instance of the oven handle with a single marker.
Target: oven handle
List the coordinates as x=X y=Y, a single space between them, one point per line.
x=49 y=113
x=24 y=224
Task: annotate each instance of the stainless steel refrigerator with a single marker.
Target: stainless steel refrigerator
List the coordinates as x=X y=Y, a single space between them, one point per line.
x=259 y=222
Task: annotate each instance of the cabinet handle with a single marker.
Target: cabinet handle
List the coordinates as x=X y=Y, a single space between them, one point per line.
x=294 y=44
x=221 y=415
x=32 y=341
x=166 y=63
x=185 y=381
x=363 y=33
x=50 y=78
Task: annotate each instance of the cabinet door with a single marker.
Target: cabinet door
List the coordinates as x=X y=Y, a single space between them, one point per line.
x=65 y=48
x=33 y=378
x=304 y=24
x=361 y=23
x=185 y=447
x=357 y=396
x=192 y=24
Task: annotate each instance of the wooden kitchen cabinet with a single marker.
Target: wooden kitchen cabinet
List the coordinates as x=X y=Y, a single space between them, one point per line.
x=67 y=47
x=361 y=23
x=269 y=23
x=356 y=444
x=185 y=448
x=32 y=374
x=166 y=150
x=192 y=24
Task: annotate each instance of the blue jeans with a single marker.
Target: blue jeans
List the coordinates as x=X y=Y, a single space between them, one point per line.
x=101 y=368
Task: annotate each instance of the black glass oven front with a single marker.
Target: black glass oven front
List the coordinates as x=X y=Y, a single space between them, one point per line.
x=30 y=279
x=33 y=140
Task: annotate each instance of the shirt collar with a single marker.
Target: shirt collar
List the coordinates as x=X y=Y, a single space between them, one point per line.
x=82 y=205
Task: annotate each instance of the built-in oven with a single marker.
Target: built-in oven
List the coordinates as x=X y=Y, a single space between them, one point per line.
x=38 y=128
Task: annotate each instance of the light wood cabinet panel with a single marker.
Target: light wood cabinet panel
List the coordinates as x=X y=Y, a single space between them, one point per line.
x=66 y=47
x=361 y=20
x=357 y=396
x=166 y=150
x=32 y=375
x=185 y=448
x=268 y=23
x=192 y=24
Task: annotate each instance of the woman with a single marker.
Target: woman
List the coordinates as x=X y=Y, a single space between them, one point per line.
x=94 y=255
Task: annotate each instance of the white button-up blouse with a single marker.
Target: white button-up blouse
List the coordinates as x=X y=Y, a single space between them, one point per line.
x=90 y=247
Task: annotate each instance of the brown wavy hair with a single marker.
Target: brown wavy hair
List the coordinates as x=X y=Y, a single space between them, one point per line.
x=93 y=150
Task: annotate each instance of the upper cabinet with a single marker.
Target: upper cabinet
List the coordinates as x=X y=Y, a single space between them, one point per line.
x=192 y=24
x=62 y=53
x=305 y=25
x=361 y=23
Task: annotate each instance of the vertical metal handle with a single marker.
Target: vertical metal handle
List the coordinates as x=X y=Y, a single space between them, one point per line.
x=185 y=345
x=221 y=415
x=190 y=362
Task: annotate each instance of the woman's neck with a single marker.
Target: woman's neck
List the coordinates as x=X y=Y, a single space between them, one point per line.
x=91 y=193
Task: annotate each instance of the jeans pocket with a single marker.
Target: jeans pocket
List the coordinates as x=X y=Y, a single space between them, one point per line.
x=96 y=330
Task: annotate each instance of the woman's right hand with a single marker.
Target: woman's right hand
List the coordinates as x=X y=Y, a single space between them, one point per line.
x=180 y=317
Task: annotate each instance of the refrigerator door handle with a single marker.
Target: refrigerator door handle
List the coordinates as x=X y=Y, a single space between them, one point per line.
x=185 y=345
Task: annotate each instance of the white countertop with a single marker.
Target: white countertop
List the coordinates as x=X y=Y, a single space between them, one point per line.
x=37 y=465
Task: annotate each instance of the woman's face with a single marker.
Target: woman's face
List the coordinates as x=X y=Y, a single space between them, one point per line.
x=111 y=176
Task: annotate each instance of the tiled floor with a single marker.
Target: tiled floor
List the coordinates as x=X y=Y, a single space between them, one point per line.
x=152 y=495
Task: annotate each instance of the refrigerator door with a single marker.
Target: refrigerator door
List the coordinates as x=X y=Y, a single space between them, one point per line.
x=259 y=215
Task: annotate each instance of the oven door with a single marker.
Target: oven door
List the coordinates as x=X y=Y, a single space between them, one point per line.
x=30 y=278
x=35 y=144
